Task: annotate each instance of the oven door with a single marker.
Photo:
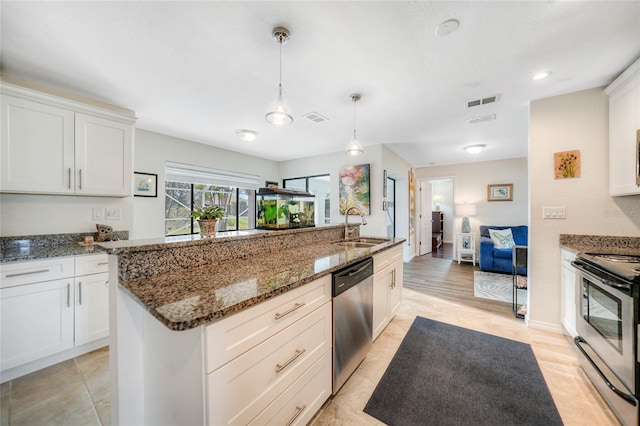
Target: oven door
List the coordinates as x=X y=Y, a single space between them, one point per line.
x=606 y=342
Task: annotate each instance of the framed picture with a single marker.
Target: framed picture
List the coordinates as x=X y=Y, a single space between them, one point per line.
x=145 y=185
x=500 y=192
x=353 y=188
x=566 y=164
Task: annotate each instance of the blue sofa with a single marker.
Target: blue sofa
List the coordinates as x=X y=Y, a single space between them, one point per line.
x=500 y=259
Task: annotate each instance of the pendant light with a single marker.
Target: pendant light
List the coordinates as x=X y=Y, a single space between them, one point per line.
x=279 y=113
x=354 y=147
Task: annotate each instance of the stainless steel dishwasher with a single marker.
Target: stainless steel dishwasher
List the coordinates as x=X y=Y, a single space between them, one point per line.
x=352 y=319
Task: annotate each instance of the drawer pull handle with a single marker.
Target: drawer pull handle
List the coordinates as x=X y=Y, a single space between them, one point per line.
x=68 y=295
x=80 y=174
x=299 y=352
x=26 y=273
x=287 y=312
x=299 y=411
x=103 y=263
x=79 y=292
x=69 y=177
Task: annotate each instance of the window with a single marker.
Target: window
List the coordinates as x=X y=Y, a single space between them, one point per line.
x=320 y=186
x=188 y=187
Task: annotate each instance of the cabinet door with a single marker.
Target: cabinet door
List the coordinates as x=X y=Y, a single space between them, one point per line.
x=37 y=321
x=395 y=291
x=382 y=282
x=103 y=156
x=37 y=147
x=92 y=308
x=624 y=121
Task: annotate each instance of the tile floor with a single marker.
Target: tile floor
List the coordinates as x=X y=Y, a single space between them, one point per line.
x=76 y=392
x=73 y=392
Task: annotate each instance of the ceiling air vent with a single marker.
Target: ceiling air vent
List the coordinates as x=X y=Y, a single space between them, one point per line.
x=481 y=118
x=483 y=101
x=315 y=117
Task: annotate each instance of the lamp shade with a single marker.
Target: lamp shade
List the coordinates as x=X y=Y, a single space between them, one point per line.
x=465 y=210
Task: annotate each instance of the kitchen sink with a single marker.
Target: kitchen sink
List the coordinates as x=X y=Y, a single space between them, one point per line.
x=361 y=242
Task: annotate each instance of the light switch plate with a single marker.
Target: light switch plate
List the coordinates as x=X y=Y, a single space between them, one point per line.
x=554 y=213
x=98 y=213
x=113 y=214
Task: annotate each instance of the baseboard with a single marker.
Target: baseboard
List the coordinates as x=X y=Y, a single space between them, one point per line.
x=546 y=326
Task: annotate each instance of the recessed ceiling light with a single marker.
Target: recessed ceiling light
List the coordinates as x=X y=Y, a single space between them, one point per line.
x=541 y=75
x=246 y=135
x=474 y=149
x=447 y=27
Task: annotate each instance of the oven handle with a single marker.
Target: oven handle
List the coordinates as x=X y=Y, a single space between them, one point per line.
x=626 y=396
x=578 y=265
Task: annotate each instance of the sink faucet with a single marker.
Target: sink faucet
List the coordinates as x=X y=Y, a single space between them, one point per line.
x=347 y=233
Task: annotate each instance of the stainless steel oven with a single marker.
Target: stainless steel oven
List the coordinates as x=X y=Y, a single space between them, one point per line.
x=607 y=326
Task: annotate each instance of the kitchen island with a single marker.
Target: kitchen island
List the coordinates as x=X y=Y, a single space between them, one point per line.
x=227 y=329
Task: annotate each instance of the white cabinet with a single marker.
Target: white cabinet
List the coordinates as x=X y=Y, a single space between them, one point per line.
x=37 y=321
x=387 y=287
x=261 y=361
x=91 y=299
x=624 y=122
x=568 y=295
x=466 y=250
x=46 y=311
x=50 y=145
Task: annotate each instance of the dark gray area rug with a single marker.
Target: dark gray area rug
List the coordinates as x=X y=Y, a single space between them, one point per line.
x=447 y=375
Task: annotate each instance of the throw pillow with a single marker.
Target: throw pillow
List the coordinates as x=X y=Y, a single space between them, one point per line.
x=502 y=238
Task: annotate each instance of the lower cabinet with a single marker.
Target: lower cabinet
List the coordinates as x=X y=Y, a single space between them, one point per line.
x=387 y=287
x=46 y=320
x=37 y=321
x=569 y=301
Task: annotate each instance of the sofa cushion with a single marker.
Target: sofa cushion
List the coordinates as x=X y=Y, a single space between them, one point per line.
x=502 y=253
x=502 y=238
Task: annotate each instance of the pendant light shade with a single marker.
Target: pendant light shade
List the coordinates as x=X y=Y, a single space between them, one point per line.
x=354 y=147
x=279 y=112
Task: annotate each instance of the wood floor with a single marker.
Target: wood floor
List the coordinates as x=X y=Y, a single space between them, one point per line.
x=436 y=275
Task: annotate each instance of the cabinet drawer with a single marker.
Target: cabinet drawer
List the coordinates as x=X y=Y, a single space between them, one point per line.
x=299 y=403
x=92 y=264
x=387 y=257
x=239 y=391
x=231 y=336
x=19 y=273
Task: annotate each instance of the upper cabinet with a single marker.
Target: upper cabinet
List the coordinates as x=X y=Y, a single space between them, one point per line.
x=52 y=145
x=624 y=123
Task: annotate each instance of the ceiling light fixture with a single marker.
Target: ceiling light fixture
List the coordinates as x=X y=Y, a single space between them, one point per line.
x=354 y=147
x=279 y=112
x=247 y=135
x=541 y=75
x=447 y=27
x=474 y=149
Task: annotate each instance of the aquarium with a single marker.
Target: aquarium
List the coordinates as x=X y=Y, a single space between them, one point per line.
x=284 y=209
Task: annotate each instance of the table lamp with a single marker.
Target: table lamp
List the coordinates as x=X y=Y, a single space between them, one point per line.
x=465 y=210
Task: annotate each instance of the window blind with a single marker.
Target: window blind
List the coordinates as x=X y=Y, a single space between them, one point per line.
x=188 y=173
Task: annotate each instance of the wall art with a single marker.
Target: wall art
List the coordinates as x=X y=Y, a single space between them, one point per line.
x=500 y=192
x=145 y=184
x=354 y=188
x=566 y=164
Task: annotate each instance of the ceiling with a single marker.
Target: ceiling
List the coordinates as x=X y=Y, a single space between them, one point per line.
x=201 y=70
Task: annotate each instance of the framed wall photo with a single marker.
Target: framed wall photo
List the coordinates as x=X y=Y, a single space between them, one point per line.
x=145 y=184
x=500 y=192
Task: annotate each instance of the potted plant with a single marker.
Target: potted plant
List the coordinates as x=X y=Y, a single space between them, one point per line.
x=207 y=218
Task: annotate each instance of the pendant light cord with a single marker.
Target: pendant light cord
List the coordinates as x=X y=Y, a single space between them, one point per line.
x=354 y=117
x=280 y=42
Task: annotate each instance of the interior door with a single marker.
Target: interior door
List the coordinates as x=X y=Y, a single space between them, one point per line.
x=426 y=226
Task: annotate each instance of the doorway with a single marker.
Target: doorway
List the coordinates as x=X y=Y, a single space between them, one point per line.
x=437 y=211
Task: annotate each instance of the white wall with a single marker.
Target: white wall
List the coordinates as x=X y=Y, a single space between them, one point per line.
x=58 y=214
x=575 y=121
x=470 y=182
x=151 y=152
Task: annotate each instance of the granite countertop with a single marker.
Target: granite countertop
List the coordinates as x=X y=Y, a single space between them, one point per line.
x=21 y=253
x=600 y=244
x=191 y=297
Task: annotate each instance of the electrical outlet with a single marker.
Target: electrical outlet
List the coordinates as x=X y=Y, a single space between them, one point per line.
x=113 y=214
x=98 y=213
x=554 y=213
